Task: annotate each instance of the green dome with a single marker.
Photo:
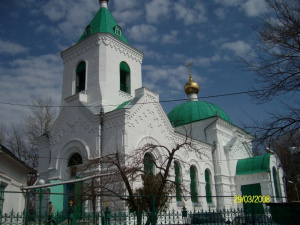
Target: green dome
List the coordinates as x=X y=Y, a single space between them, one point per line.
x=193 y=111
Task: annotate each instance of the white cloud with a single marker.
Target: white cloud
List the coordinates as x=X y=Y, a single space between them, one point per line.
x=10 y=48
x=157 y=9
x=123 y=5
x=229 y=2
x=71 y=18
x=254 y=7
x=23 y=79
x=190 y=15
x=220 y=13
x=143 y=33
x=127 y=17
x=170 y=38
x=240 y=48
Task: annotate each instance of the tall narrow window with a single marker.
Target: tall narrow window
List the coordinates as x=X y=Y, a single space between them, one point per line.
x=177 y=181
x=80 y=77
x=2 y=187
x=124 y=77
x=148 y=164
x=118 y=30
x=88 y=30
x=276 y=183
x=208 y=186
x=193 y=185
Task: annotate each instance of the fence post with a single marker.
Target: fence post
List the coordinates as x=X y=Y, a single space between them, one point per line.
x=153 y=213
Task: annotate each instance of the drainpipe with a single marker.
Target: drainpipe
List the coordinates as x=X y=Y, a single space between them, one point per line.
x=101 y=151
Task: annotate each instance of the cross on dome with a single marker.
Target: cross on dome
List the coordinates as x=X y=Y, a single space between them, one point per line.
x=191 y=87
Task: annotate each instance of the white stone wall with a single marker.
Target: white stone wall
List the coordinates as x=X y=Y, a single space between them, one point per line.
x=102 y=54
x=13 y=175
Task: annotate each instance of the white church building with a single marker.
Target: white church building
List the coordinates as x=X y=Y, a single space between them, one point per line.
x=105 y=106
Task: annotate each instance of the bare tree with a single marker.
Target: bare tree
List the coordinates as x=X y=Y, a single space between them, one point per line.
x=290 y=160
x=21 y=138
x=133 y=182
x=277 y=65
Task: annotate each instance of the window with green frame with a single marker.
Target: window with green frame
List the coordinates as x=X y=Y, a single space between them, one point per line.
x=276 y=183
x=125 y=77
x=2 y=187
x=177 y=180
x=80 y=77
x=193 y=184
x=148 y=164
x=208 y=186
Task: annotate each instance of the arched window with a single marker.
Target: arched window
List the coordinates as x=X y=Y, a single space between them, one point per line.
x=148 y=164
x=276 y=183
x=208 y=186
x=80 y=77
x=193 y=184
x=124 y=77
x=74 y=160
x=177 y=180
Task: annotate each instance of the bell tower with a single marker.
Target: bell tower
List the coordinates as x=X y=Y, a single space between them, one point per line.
x=102 y=69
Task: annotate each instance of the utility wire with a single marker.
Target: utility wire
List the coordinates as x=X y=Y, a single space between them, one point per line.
x=163 y=101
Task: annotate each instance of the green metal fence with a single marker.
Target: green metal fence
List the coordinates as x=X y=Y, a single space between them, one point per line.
x=106 y=217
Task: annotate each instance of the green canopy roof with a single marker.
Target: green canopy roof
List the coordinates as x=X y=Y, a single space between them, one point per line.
x=193 y=111
x=257 y=164
x=103 y=22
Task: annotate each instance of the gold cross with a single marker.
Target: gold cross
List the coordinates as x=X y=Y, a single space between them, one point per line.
x=189 y=66
x=71 y=202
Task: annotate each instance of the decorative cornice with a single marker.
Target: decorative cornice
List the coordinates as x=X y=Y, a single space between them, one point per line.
x=99 y=39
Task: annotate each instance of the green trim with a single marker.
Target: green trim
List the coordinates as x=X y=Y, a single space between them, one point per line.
x=208 y=186
x=193 y=111
x=193 y=184
x=148 y=164
x=103 y=22
x=257 y=164
x=252 y=190
x=123 y=105
x=57 y=197
x=177 y=181
x=80 y=67
x=124 y=66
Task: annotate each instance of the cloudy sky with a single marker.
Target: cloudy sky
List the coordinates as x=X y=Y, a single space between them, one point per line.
x=209 y=33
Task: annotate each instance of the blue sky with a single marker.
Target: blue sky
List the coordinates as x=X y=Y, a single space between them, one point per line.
x=209 y=33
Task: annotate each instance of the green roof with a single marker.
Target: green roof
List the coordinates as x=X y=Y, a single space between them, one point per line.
x=103 y=22
x=257 y=164
x=193 y=111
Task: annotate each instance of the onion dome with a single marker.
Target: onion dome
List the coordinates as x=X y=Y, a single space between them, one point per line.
x=193 y=111
x=191 y=87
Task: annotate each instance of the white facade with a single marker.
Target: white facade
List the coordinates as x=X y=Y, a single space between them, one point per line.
x=13 y=176
x=81 y=129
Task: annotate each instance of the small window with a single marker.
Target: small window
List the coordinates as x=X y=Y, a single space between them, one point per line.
x=125 y=77
x=88 y=30
x=80 y=77
x=193 y=184
x=148 y=164
x=177 y=181
x=208 y=186
x=118 y=30
x=74 y=160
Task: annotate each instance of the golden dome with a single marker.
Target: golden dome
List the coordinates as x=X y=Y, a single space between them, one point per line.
x=191 y=87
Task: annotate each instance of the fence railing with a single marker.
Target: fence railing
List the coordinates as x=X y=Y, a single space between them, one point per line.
x=232 y=216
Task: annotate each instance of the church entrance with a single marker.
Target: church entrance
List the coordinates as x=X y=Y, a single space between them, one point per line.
x=249 y=206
